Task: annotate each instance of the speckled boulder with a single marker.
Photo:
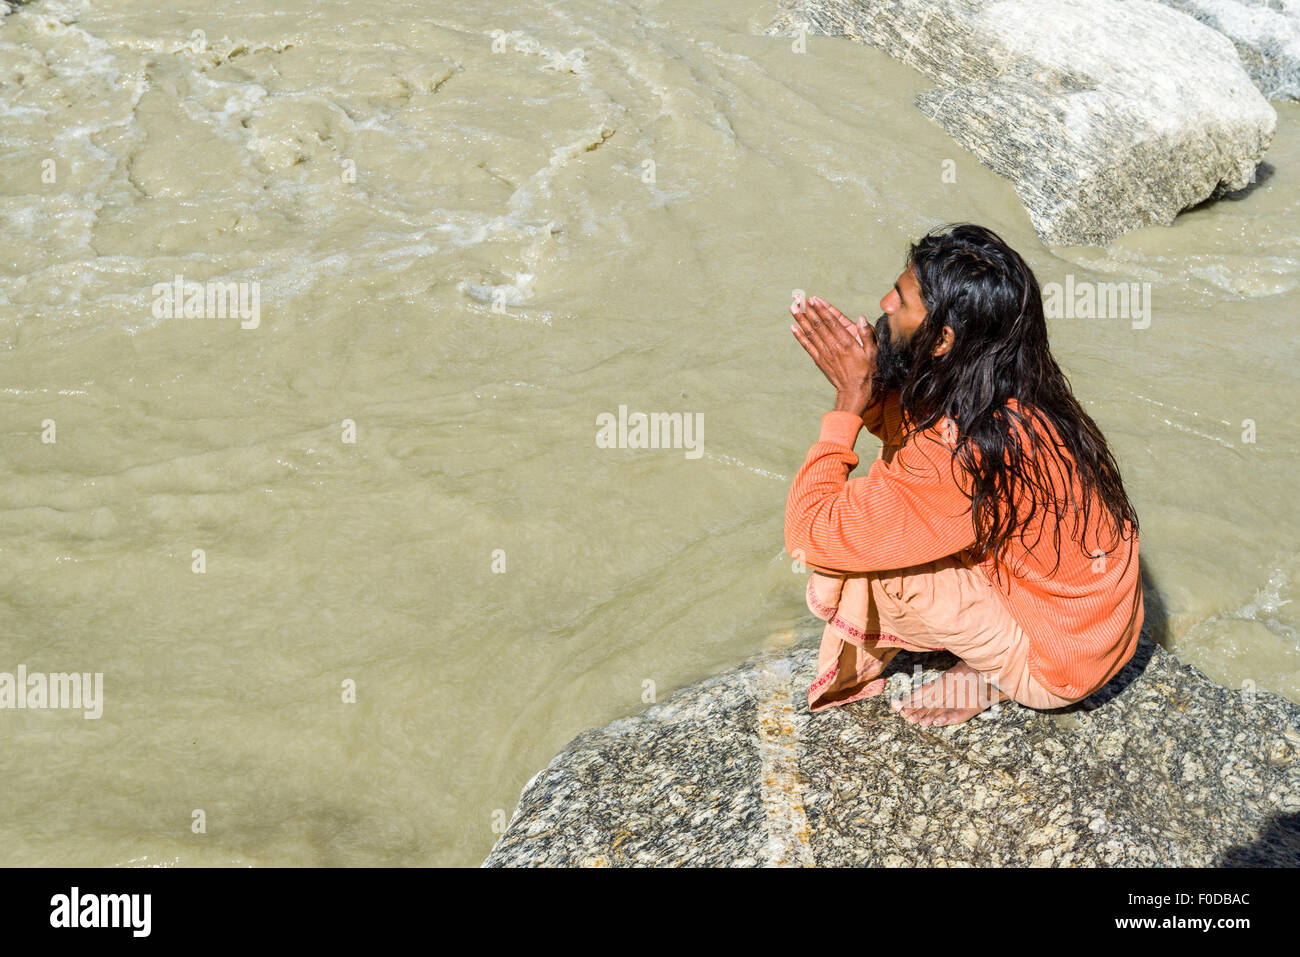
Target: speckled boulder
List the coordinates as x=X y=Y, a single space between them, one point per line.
x=1162 y=767
x=1266 y=34
x=1106 y=115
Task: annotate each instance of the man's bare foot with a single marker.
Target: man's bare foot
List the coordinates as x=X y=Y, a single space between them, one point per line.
x=959 y=693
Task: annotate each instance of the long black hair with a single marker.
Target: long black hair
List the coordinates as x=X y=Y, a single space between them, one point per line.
x=979 y=286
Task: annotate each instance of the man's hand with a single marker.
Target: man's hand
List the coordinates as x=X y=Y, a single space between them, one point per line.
x=847 y=360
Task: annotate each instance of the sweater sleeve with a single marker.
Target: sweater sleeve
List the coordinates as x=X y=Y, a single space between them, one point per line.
x=903 y=512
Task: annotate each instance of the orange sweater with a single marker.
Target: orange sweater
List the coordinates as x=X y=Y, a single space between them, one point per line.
x=1082 y=620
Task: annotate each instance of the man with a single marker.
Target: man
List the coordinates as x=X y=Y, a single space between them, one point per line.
x=994 y=524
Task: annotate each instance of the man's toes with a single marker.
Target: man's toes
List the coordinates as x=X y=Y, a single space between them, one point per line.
x=935 y=716
x=923 y=701
x=914 y=712
x=921 y=697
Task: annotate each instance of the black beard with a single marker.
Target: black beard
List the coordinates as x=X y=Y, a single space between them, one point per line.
x=893 y=361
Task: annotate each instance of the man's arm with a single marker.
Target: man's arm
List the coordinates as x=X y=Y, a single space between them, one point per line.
x=904 y=512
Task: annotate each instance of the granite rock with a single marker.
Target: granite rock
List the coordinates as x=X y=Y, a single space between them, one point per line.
x=1161 y=767
x=1266 y=34
x=1106 y=115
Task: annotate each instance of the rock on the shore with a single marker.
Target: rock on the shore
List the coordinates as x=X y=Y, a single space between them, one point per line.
x=1266 y=34
x=1161 y=767
x=1106 y=115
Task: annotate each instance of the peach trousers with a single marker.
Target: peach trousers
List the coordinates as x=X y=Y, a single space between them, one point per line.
x=947 y=604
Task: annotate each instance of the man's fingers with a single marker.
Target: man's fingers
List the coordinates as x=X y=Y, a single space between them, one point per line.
x=867 y=329
x=822 y=328
x=830 y=313
x=818 y=328
x=851 y=328
x=844 y=320
x=802 y=331
x=827 y=307
x=803 y=341
x=810 y=322
x=831 y=329
x=799 y=311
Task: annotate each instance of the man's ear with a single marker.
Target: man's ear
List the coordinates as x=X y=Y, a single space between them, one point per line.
x=946 y=339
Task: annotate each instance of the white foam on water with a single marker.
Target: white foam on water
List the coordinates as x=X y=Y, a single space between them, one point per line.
x=737 y=463
x=1170 y=405
x=1264 y=608
x=510 y=294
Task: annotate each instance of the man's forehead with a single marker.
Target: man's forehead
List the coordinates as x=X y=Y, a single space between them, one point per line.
x=906 y=284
